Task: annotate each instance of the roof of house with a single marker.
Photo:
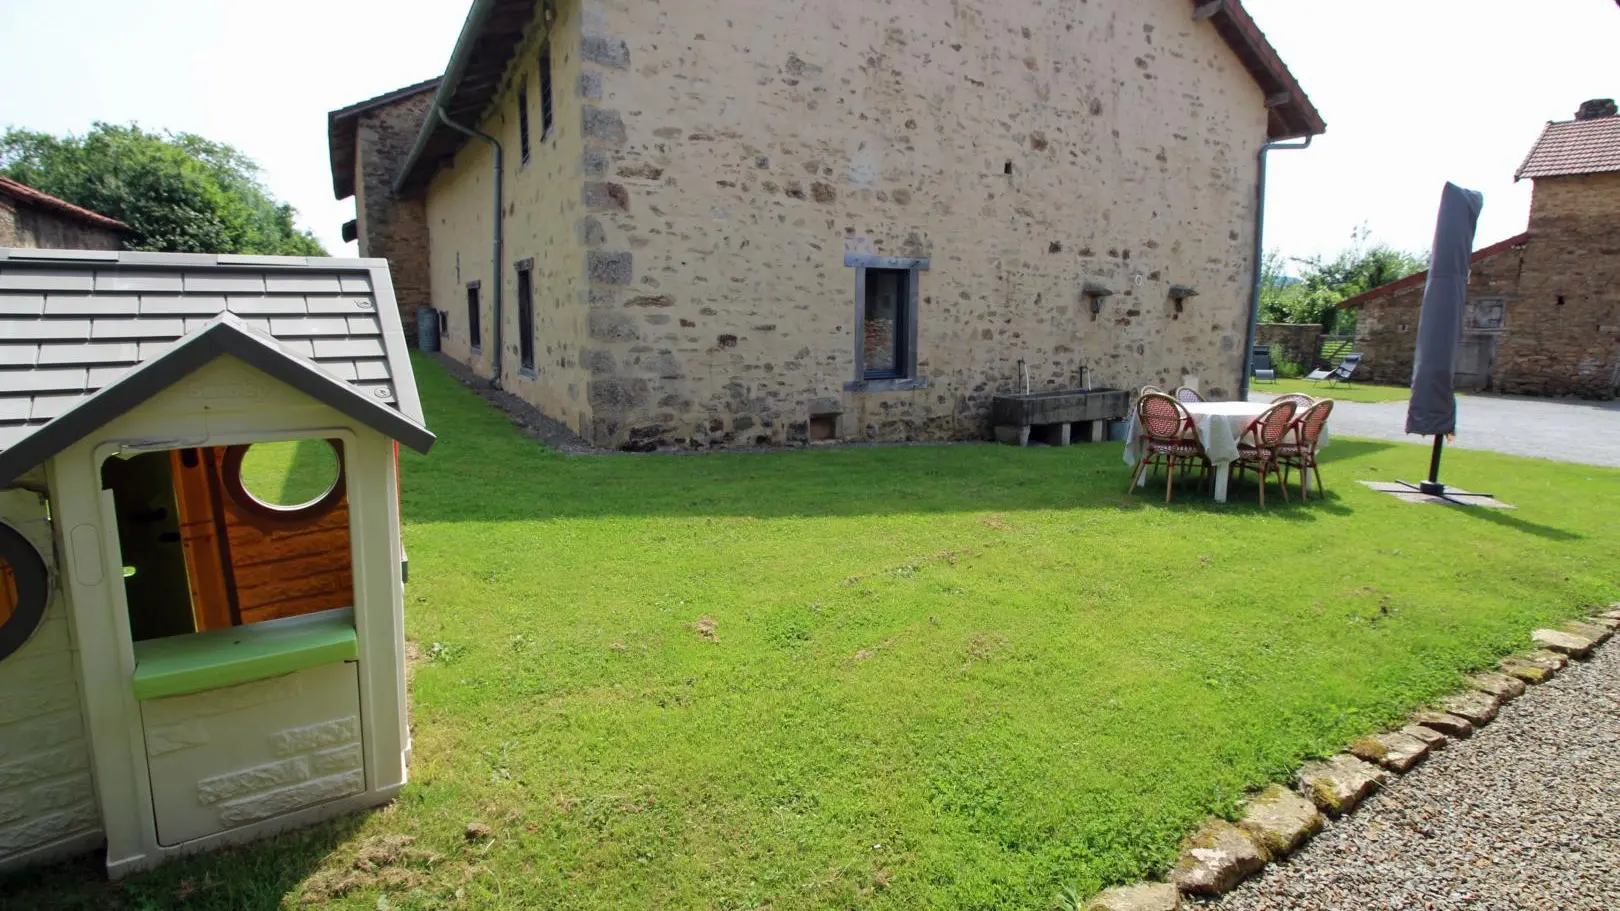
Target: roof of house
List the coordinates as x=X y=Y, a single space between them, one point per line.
x=41 y=200
x=85 y=335
x=1418 y=278
x=340 y=139
x=494 y=29
x=1574 y=147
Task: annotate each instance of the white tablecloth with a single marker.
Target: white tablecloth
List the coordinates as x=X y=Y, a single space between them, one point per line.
x=1219 y=425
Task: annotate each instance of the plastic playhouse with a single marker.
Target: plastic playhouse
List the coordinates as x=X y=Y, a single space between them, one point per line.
x=201 y=574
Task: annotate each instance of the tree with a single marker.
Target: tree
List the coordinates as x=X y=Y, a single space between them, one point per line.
x=1323 y=282
x=178 y=192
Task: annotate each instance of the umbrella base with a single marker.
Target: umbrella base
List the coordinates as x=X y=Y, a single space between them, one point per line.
x=1437 y=489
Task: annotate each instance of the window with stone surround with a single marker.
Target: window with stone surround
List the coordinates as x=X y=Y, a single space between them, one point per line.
x=545 y=89
x=885 y=322
x=1486 y=313
x=523 y=122
x=475 y=318
x=525 y=308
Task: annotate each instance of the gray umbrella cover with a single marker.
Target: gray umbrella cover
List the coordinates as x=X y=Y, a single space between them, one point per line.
x=1433 y=408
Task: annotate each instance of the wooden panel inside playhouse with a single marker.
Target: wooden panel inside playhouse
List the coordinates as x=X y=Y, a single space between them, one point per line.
x=200 y=554
x=8 y=591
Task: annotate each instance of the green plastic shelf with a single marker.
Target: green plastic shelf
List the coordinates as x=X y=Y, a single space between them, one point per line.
x=195 y=662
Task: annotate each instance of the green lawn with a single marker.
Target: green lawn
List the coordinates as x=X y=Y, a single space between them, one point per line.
x=956 y=677
x=1354 y=392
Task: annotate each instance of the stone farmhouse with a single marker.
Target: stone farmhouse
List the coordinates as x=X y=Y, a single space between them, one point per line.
x=712 y=223
x=1543 y=312
x=31 y=218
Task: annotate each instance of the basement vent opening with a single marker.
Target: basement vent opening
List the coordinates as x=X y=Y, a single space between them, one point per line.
x=1006 y=167
x=823 y=427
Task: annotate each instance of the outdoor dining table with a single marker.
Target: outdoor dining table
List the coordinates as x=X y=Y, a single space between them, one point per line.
x=1219 y=425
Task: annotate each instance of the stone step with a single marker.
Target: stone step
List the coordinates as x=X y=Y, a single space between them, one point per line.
x=1216 y=859
x=1503 y=686
x=1571 y=644
x=1535 y=666
x=1336 y=785
x=1280 y=820
x=1479 y=708
x=1397 y=751
x=1444 y=722
x=1140 y=897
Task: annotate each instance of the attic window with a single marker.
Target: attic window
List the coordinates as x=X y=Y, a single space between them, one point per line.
x=523 y=122
x=23 y=590
x=545 y=89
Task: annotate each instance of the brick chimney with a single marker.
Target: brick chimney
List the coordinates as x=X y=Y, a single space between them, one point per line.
x=1596 y=108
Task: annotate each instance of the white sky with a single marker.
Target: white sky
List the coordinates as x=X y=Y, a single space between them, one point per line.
x=1415 y=92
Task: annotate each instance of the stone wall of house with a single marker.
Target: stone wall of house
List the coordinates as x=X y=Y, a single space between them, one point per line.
x=1386 y=325
x=392 y=227
x=737 y=152
x=22 y=225
x=1562 y=332
x=545 y=227
x=1298 y=342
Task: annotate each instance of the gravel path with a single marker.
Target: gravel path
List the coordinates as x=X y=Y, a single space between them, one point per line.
x=1525 y=815
x=1569 y=430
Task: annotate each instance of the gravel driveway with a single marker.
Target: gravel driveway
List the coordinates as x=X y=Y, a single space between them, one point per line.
x=1569 y=430
x=1525 y=815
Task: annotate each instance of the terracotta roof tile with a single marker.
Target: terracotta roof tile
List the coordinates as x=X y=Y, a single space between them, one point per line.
x=28 y=194
x=1574 y=147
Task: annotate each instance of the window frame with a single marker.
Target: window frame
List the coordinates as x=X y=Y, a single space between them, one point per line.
x=523 y=121
x=547 y=102
x=906 y=375
x=475 y=316
x=525 y=316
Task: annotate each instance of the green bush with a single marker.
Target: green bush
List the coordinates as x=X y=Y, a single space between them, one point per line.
x=1287 y=369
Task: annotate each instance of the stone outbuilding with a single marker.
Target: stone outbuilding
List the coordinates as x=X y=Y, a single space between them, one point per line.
x=34 y=219
x=1543 y=311
x=734 y=223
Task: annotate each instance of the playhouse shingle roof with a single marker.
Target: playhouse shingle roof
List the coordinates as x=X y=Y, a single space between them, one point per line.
x=73 y=322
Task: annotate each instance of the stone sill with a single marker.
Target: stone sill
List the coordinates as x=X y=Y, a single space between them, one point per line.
x=888 y=384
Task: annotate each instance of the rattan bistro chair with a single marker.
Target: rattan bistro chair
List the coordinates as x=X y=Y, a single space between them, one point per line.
x=1257 y=447
x=1300 y=452
x=1167 y=437
x=1301 y=401
x=1187 y=395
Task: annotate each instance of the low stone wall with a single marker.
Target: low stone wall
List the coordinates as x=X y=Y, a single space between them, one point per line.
x=1298 y=340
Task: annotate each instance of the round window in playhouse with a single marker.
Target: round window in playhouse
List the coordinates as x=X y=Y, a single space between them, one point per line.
x=288 y=481
x=24 y=589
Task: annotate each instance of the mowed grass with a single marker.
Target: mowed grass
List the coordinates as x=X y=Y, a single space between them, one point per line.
x=1353 y=392
x=953 y=677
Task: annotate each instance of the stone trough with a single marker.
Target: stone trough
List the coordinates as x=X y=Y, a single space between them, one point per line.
x=1058 y=418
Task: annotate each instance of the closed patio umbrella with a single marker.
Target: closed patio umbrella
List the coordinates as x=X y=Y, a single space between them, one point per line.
x=1432 y=410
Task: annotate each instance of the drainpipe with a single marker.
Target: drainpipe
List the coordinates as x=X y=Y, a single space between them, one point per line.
x=497 y=262
x=1259 y=261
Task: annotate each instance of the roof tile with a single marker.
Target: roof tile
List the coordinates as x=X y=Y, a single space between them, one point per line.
x=303 y=284
x=271 y=305
x=15 y=409
x=137 y=328
x=139 y=281
x=14 y=279
x=91 y=305
x=46 y=407
x=53 y=329
x=186 y=305
x=18 y=355
x=224 y=283
x=94 y=353
x=22 y=304
x=309 y=326
x=340 y=305
x=1574 y=147
x=355 y=284
x=349 y=348
x=32 y=381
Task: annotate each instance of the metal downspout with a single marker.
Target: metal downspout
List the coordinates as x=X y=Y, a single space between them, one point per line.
x=1259 y=262
x=499 y=242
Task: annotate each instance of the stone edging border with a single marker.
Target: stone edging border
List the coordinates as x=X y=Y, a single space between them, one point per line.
x=1220 y=855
